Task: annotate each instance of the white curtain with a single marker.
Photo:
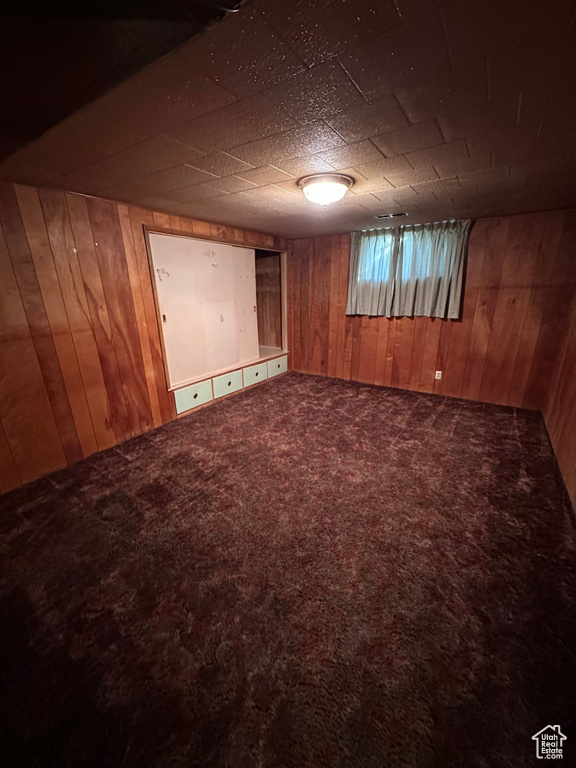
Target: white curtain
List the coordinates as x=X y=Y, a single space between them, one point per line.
x=410 y=270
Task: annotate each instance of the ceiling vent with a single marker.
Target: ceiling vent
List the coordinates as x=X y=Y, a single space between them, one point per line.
x=389 y=215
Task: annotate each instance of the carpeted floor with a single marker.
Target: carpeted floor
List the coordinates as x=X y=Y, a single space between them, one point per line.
x=313 y=573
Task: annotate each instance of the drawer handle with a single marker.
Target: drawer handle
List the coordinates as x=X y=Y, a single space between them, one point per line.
x=229 y=383
x=256 y=374
x=278 y=365
x=195 y=395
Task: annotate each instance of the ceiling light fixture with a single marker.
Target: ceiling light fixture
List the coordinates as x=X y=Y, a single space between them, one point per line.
x=325 y=188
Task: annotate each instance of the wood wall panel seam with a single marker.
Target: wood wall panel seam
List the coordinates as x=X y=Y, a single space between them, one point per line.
x=490 y=354
x=87 y=398
x=141 y=218
x=34 y=307
x=519 y=292
x=9 y=476
x=141 y=324
x=49 y=281
x=561 y=405
x=25 y=409
x=528 y=335
x=80 y=343
x=417 y=356
x=556 y=299
x=112 y=401
x=114 y=272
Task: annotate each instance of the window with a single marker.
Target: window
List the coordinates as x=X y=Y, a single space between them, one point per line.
x=411 y=270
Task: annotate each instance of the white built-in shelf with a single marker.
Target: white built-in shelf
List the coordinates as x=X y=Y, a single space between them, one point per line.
x=266 y=353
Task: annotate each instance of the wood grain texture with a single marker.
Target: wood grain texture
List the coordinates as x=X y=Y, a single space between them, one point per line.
x=52 y=293
x=27 y=415
x=140 y=217
x=80 y=355
x=91 y=407
x=9 y=475
x=80 y=358
x=502 y=349
x=269 y=299
x=99 y=318
x=111 y=256
x=135 y=287
x=39 y=326
x=560 y=410
x=560 y=407
x=319 y=305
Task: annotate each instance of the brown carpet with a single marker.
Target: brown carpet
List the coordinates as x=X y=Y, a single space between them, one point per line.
x=311 y=573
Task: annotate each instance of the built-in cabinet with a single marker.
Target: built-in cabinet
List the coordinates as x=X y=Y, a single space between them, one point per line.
x=206 y=302
x=220 y=313
x=195 y=395
x=255 y=374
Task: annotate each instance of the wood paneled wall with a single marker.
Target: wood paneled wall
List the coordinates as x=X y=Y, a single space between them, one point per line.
x=80 y=359
x=560 y=409
x=519 y=285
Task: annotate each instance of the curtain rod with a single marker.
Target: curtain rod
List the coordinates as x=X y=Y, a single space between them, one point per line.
x=422 y=224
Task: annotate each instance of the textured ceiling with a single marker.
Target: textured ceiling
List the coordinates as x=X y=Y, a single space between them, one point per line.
x=53 y=66
x=439 y=109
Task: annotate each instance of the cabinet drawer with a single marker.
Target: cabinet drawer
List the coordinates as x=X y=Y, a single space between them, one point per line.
x=277 y=366
x=229 y=382
x=254 y=374
x=192 y=396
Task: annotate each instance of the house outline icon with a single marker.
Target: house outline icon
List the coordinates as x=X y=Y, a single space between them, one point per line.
x=556 y=738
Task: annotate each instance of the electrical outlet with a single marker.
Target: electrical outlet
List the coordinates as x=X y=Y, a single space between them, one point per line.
x=438 y=375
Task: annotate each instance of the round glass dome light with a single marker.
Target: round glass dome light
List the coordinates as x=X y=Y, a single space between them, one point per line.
x=325 y=188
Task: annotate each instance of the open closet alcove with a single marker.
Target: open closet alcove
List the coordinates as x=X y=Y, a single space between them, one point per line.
x=221 y=315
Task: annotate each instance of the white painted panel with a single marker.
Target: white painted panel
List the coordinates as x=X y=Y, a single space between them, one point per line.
x=220 y=325
x=269 y=351
x=207 y=297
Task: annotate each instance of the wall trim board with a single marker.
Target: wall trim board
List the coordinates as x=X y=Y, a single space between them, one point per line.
x=223 y=237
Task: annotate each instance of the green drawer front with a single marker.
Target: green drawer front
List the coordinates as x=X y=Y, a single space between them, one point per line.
x=230 y=382
x=277 y=366
x=254 y=374
x=193 y=396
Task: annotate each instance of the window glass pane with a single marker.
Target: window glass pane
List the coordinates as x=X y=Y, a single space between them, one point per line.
x=407 y=257
x=412 y=270
x=375 y=258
